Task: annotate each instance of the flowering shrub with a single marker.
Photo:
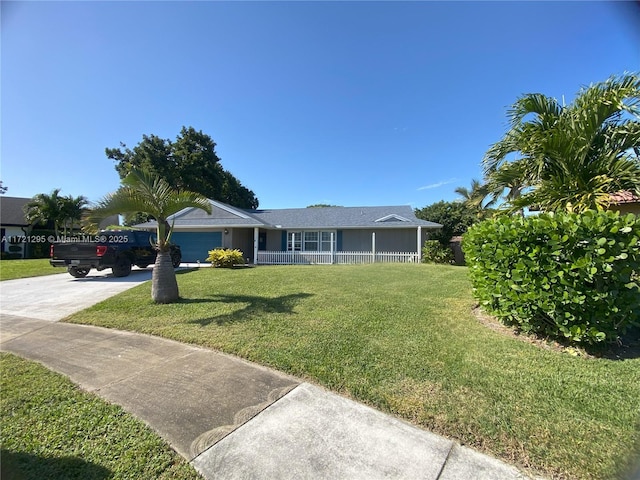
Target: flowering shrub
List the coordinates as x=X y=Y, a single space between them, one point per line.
x=225 y=257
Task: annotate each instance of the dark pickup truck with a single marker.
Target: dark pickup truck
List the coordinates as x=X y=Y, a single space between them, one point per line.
x=115 y=249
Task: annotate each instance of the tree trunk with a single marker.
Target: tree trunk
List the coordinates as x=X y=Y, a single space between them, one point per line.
x=164 y=286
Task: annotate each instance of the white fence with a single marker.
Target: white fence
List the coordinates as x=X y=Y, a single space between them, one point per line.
x=328 y=258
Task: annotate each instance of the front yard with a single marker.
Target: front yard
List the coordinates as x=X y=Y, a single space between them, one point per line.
x=403 y=339
x=23 y=268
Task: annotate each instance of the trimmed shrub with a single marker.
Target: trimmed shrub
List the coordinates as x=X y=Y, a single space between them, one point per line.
x=434 y=252
x=570 y=276
x=225 y=257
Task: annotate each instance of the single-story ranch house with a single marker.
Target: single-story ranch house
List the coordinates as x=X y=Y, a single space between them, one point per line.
x=13 y=224
x=302 y=235
x=14 y=227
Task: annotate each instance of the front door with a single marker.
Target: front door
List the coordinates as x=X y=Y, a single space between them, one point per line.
x=262 y=241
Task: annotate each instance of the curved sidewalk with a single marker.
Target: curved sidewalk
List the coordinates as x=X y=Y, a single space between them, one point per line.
x=233 y=419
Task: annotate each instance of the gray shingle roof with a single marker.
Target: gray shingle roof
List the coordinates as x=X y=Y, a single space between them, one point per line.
x=223 y=215
x=11 y=210
x=343 y=217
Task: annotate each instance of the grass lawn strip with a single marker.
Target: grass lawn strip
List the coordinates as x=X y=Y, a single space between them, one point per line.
x=53 y=430
x=12 y=269
x=403 y=339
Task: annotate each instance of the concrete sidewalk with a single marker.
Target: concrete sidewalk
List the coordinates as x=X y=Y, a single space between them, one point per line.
x=233 y=419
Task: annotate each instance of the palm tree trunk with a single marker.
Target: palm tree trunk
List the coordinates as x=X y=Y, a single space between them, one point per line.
x=164 y=286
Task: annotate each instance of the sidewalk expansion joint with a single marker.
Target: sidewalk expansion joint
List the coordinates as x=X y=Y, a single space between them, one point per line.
x=444 y=464
x=4 y=342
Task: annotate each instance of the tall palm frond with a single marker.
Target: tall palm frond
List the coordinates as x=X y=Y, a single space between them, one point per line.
x=145 y=192
x=71 y=210
x=571 y=157
x=478 y=197
x=45 y=208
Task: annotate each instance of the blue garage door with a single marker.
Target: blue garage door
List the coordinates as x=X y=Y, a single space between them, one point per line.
x=196 y=246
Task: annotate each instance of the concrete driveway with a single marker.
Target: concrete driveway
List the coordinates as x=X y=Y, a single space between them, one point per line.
x=54 y=297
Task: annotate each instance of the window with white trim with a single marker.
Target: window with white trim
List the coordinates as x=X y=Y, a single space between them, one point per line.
x=325 y=241
x=294 y=241
x=310 y=241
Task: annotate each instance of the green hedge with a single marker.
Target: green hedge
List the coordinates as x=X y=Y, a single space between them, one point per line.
x=434 y=252
x=563 y=275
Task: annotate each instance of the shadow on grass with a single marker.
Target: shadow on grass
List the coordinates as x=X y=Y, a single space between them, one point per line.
x=255 y=306
x=627 y=349
x=137 y=274
x=630 y=469
x=25 y=466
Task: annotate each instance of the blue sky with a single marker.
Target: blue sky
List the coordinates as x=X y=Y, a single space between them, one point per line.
x=346 y=103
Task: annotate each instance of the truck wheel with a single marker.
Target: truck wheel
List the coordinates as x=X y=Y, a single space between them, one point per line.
x=122 y=268
x=176 y=259
x=78 y=272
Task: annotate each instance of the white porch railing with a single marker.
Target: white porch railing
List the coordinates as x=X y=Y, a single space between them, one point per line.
x=328 y=258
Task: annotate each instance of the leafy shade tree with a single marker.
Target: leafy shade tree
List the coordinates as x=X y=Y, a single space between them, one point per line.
x=188 y=163
x=149 y=193
x=3 y=189
x=455 y=218
x=570 y=158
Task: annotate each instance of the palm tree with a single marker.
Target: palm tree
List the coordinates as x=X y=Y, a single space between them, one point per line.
x=570 y=157
x=145 y=192
x=476 y=197
x=45 y=208
x=71 y=211
x=508 y=178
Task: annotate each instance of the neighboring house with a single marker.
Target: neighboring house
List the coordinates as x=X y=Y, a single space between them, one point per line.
x=625 y=202
x=301 y=235
x=13 y=225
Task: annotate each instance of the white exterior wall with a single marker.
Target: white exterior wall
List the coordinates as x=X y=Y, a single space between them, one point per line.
x=11 y=231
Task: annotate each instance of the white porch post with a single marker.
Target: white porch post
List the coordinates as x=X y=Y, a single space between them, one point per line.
x=419 y=244
x=332 y=250
x=373 y=246
x=256 y=234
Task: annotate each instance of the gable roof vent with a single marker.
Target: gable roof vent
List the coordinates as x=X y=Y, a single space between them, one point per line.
x=393 y=218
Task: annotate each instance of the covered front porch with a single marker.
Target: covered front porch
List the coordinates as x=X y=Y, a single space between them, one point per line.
x=330 y=258
x=327 y=248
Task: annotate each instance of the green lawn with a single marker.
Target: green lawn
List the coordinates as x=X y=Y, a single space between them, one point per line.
x=52 y=430
x=403 y=339
x=11 y=269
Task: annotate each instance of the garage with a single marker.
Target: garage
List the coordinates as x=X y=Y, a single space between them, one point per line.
x=196 y=245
